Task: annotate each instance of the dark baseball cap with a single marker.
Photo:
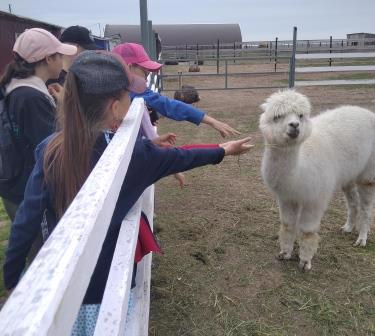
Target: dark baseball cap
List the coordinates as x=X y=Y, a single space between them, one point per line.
x=78 y=35
x=101 y=72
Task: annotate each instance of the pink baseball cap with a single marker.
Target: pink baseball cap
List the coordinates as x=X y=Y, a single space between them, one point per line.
x=35 y=44
x=133 y=53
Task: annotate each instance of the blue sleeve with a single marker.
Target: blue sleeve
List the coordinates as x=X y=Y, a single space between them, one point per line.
x=26 y=224
x=171 y=108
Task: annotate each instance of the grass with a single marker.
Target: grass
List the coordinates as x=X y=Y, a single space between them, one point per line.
x=359 y=75
x=4 y=234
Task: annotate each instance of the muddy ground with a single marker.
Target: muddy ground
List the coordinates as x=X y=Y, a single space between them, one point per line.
x=219 y=274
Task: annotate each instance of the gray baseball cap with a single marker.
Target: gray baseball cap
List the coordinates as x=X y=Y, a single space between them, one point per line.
x=101 y=72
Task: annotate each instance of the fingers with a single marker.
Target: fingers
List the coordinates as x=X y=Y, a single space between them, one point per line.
x=54 y=87
x=51 y=90
x=225 y=130
x=171 y=138
x=181 y=179
x=233 y=131
x=244 y=145
x=246 y=148
x=244 y=140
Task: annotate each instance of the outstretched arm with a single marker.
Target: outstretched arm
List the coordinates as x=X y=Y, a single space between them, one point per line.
x=223 y=128
x=180 y=111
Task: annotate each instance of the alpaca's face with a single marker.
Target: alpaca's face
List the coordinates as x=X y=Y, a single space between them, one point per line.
x=286 y=118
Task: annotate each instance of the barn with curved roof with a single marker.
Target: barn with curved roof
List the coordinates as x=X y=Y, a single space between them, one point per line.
x=180 y=34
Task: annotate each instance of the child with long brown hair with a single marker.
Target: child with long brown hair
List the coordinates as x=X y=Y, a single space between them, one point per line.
x=96 y=97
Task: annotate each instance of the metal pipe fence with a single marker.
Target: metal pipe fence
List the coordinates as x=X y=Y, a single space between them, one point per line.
x=226 y=74
x=326 y=50
x=270 y=48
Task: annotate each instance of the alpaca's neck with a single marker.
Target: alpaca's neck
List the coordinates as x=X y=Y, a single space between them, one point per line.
x=280 y=163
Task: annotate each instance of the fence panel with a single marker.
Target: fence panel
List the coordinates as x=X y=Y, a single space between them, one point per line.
x=48 y=297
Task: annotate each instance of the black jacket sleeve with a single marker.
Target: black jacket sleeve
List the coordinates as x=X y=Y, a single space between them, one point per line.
x=150 y=163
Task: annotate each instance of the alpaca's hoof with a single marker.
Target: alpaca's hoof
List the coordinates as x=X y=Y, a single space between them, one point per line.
x=284 y=255
x=360 y=242
x=305 y=266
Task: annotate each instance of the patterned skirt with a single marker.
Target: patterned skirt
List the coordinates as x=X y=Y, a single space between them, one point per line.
x=88 y=315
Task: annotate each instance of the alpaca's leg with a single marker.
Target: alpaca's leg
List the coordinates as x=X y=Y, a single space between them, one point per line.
x=366 y=196
x=308 y=238
x=287 y=233
x=352 y=203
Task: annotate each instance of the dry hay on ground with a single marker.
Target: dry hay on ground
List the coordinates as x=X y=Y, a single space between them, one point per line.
x=219 y=275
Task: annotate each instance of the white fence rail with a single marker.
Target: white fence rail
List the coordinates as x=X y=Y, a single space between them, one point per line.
x=48 y=297
x=321 y=69
x=343 y=68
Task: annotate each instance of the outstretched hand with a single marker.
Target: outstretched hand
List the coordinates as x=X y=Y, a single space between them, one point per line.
x=181 y=179
x=223 y=128
x=165 y=140
x=237 y=147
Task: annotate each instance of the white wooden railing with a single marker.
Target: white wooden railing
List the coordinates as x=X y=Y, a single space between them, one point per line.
x=47 y=299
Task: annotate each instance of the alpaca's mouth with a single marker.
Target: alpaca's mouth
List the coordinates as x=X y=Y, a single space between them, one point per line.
x=293 y=134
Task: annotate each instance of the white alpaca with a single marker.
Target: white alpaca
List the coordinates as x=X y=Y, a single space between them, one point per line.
x=307 y=159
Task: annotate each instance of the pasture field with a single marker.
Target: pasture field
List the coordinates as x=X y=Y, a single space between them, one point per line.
x=219 y=274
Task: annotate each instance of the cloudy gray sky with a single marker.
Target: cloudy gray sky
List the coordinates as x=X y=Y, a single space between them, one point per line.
x=258 y=19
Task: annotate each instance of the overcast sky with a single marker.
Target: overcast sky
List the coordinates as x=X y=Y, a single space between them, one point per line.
x=258 y=19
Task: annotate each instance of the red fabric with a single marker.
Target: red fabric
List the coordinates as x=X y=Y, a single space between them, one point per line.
x=198 y=146
x=146 y=241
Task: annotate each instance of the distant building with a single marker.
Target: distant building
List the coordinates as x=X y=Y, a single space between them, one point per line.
x=180 y=34
x=360 y=39
x=11 y=26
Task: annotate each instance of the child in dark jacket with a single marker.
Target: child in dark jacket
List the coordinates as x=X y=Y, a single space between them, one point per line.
x=37 y=57
x=96 y=96
x=140 y=64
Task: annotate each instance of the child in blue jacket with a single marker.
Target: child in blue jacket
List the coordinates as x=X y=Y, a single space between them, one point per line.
x=96 y=96
x=140 y=64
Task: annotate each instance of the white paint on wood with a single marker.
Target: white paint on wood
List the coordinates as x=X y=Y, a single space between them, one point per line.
x=114 y=307
x=336 y=82
x=48 y=297
x=139 y=307
x=336 y=55
x=336 y=68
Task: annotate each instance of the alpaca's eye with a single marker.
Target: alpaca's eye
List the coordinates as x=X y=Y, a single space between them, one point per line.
x=301 y=116
x=276 y=118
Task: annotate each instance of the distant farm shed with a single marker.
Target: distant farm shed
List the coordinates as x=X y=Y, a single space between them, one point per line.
x=360 y=39
x=11 y=26
x=180 y=34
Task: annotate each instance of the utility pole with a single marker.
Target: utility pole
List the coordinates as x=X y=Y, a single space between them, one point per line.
x=144 y=24
x=292 y=63
x=10 y=8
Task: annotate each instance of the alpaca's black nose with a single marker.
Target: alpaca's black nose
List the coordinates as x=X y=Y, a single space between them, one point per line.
x=294 y=124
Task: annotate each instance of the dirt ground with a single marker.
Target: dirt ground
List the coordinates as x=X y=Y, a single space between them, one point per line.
x=219 y=274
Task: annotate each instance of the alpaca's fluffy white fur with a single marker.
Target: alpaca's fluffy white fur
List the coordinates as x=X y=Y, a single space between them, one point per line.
x=307 y=159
